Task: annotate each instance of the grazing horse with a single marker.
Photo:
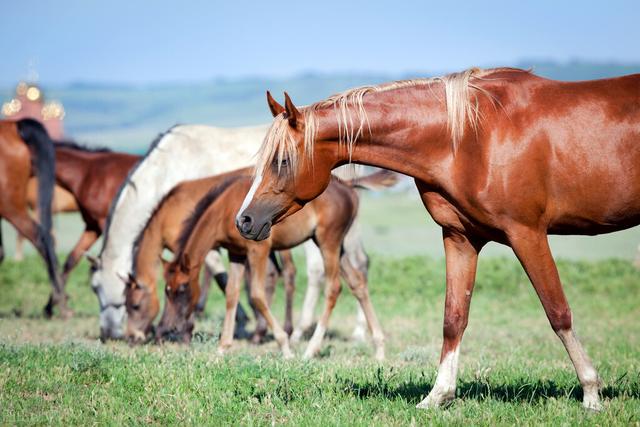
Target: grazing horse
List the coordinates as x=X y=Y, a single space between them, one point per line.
x=161 y=232
x=497 y=155
x=326 y=220
x=182 y=153
x=63 y=201
x=93 y=176
x=27 y=150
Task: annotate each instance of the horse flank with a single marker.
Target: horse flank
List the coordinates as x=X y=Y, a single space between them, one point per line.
x=204 y=203
x=461 y=99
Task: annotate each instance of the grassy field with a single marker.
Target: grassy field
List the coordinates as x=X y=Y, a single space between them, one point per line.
x=513 y=368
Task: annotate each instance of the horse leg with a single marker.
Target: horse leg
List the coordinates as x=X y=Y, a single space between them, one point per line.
x=18 y=254
x=87 y=239
x=205 y=284
x=258 y=257
x=461 y=260
x=532 y=249
x=354 y=251
x=332 y=291
x=358 y=284
x=315 y=277
x=232 y=294
x=270 y=282
x=214 y=265
x=32 y=231
x=289 y=277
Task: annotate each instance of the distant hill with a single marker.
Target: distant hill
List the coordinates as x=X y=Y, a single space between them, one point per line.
x=129 y=117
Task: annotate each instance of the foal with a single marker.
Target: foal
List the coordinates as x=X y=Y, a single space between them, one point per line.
x=161 y=232
x=326 y=220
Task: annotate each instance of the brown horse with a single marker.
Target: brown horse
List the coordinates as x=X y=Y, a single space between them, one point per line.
x=161 y=232
x=93 y=176
x=27 y=150
x=497 y=155
x=63 y=201
x=326 y=220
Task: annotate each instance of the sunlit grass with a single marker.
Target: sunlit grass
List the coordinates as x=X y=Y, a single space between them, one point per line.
x=513 y=368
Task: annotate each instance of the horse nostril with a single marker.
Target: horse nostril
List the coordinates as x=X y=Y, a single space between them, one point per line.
x=245 y=223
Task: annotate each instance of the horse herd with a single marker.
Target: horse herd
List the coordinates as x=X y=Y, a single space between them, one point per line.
x=497 y=155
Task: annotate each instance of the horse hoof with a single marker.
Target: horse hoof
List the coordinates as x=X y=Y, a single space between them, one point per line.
x=436 y=399
x=48 y=311
x=592 y=405
x=287 y=354
x=257 y=338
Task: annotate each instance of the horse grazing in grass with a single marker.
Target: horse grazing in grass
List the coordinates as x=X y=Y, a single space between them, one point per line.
x=161 y=232
x=497 y=155
x=182 y=153
x=326 y=220
x=93 y=176
x=27 y=150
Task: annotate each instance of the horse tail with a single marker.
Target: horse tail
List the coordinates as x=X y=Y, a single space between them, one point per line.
x=375 y=181
x=43 y=160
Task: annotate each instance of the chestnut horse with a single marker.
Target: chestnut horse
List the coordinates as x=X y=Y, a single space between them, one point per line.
x=93 y=176
x=497 y=155
x=161 y=232
x=27 y=150
x=326 y=220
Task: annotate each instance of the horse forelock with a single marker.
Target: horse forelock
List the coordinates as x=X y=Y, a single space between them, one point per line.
x=461 y=102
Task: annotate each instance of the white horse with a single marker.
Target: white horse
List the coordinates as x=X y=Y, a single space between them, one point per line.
x=183 y=153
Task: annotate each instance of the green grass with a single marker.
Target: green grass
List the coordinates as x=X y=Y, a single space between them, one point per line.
x=513 y=368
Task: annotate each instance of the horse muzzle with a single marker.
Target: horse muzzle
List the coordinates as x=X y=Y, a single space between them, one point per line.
x=250 y=229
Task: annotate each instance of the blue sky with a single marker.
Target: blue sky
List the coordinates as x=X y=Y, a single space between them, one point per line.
x=141 y=42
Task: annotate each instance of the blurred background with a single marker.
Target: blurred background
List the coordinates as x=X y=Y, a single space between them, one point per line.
x=118 y=73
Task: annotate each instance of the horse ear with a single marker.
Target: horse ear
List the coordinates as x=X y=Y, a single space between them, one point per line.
x=292 y=112
x=273 y=105
x=95 y=262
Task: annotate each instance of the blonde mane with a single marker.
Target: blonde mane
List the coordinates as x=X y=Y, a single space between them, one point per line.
x=461 y=98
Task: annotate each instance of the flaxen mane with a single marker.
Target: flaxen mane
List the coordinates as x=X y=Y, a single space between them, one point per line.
x=461 y=97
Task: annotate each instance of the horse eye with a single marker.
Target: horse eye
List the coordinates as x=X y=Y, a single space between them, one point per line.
x=283 y=162
x=135 y=307
x=182 y=287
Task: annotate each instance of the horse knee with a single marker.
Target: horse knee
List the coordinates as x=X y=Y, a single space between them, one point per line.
x=359 y=290
x=257 y=297
x=333 y=292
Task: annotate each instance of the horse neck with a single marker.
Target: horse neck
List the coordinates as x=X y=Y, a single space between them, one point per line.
x=149 y=250
x=71 y=169
x=408 y=132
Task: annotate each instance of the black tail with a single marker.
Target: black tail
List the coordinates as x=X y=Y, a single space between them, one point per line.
x=43 y=159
